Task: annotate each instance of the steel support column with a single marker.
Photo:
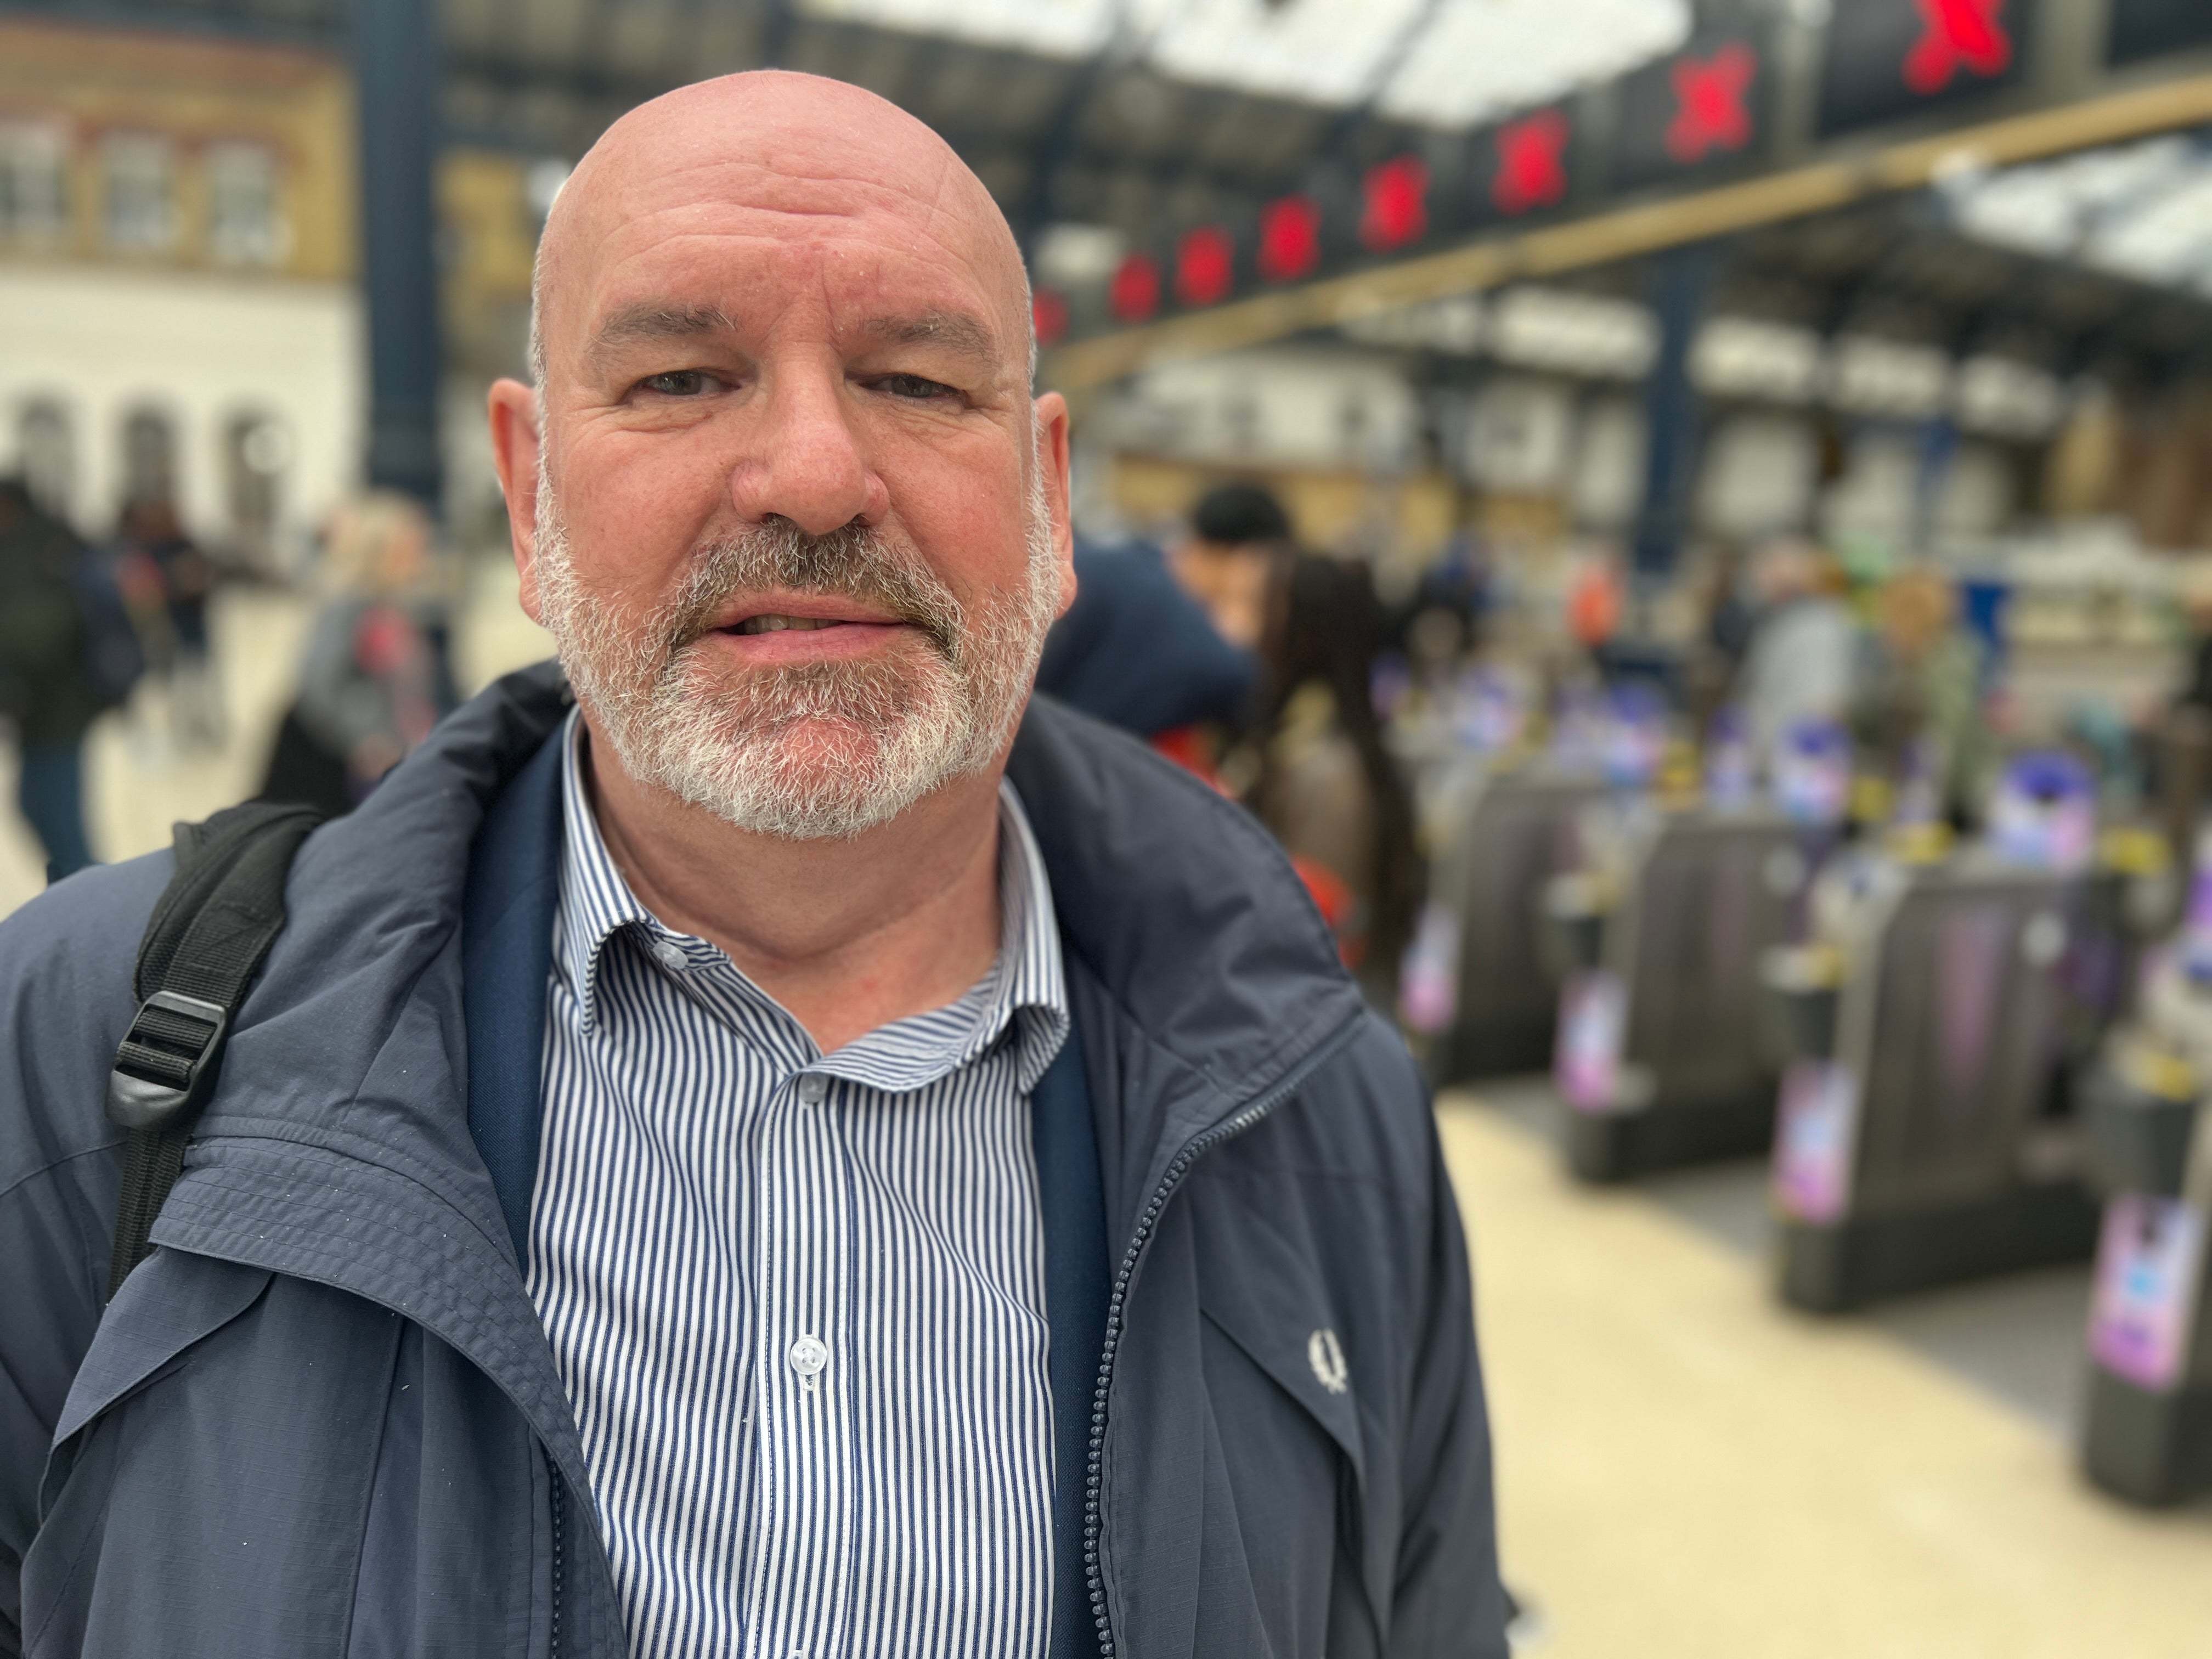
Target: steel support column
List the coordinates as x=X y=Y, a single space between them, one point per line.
x=1681 y=282
x=395 y=61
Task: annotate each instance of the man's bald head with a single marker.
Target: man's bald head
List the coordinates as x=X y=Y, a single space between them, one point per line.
x=772 y=145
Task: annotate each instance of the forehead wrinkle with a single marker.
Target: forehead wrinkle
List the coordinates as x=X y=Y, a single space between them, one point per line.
x=706 y=179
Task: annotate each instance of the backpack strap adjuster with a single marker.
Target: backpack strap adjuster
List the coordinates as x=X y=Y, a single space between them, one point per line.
x=166 y=1060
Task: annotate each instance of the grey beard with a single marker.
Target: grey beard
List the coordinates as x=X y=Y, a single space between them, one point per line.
x=821 y=750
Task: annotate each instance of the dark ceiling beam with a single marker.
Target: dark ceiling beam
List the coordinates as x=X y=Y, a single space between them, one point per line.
x=1348 y=123
x=1056 y=145
x=776 y=20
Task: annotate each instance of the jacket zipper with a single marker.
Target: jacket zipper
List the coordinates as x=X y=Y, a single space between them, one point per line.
x=553 y=1640
x=1171 y=1178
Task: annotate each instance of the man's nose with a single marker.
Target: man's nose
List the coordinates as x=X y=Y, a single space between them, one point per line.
x=807 y=462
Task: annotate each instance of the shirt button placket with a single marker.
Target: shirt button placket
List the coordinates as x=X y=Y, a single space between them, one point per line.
x=805 y=1461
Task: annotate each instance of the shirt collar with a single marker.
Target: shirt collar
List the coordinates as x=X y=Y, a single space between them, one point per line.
x=1025 y=988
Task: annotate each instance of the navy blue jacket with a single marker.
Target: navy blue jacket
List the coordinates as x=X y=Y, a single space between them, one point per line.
x=323 y=1419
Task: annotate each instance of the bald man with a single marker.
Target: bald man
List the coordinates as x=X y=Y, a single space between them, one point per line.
x=758 y=1138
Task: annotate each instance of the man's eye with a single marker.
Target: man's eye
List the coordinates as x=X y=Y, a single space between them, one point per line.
x=913 y=385
x=678 y=383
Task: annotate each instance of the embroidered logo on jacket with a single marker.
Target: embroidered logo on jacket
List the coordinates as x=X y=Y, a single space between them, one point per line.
x=1326 y=1355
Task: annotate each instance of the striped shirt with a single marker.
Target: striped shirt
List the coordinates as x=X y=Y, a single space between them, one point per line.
x=797 y=1300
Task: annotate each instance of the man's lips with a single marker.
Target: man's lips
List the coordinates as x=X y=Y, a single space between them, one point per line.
x=810 y=628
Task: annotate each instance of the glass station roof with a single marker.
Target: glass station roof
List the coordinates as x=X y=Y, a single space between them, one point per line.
x=2139 y=211
x=1442 y=63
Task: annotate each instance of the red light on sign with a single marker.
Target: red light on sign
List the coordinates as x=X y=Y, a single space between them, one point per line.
x=1047 y=316
x=1956 y=35
x=1134 y=293
x=1397 y=210
x=1531 y=162
x=1712 y=104
x=1206 y=266
x=1290 y=239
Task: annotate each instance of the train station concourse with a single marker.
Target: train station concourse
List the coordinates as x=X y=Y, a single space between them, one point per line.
x=1645 y=563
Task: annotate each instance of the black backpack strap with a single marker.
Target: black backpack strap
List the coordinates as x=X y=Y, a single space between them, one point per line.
x=209 y=931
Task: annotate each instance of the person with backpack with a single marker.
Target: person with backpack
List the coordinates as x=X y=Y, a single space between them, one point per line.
x=67 y=655
x=761 y=1137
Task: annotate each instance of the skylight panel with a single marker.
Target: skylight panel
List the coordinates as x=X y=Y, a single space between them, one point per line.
x=2167 y=240
x=1318 y=52
x=1481 y=59
x=2031 y=209
x=1051 y=28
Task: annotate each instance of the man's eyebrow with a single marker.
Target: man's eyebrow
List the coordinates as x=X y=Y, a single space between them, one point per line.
x=962 y=330
x=658 y=322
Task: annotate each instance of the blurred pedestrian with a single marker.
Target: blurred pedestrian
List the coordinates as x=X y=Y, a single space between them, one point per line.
x=1138 y=652
x=1801 y=665
x=369 y=680
x=179 y=656
x=1239 y=536
x=67 y=655
x=1596 y=600
x=1326 y=785
x=1917 y=701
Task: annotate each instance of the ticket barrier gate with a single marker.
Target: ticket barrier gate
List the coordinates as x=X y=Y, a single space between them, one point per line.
x=2146 y=1434
x=1519 y=830
x=1662 y=1058
x=1924 y=1135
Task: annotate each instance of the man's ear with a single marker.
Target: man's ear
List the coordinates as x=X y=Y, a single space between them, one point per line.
x=512 y=410
x=1052 y=455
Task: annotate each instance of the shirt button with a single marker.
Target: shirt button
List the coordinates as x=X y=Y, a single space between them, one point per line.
x=808 y=1355
x=671 y=956
x=812 y=1087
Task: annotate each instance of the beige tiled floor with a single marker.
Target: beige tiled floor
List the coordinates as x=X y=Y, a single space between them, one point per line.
x=1684 y=1470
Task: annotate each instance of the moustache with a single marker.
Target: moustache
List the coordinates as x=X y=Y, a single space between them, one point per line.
x=853 y=562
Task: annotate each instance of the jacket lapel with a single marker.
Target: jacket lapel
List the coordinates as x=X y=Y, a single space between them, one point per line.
x=507 y=957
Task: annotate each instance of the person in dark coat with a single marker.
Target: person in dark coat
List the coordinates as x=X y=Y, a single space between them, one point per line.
x=44 y=687
x=1137 y=652
x=761 y=1137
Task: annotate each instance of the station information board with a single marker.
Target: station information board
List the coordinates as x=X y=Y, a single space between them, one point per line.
x=1704 y=108
x=1887 y=59
x=2144 y=28
x=1522 y=165
x=1707 y=105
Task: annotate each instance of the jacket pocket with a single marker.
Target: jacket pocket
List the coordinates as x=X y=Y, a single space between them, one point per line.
x=1267 y=1297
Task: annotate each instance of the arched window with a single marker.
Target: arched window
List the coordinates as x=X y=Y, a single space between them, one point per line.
x=45 y=449
x=257 y=451
x=149 y=457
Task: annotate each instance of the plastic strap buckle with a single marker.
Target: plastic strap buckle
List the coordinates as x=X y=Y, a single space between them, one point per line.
x=164 y=1065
